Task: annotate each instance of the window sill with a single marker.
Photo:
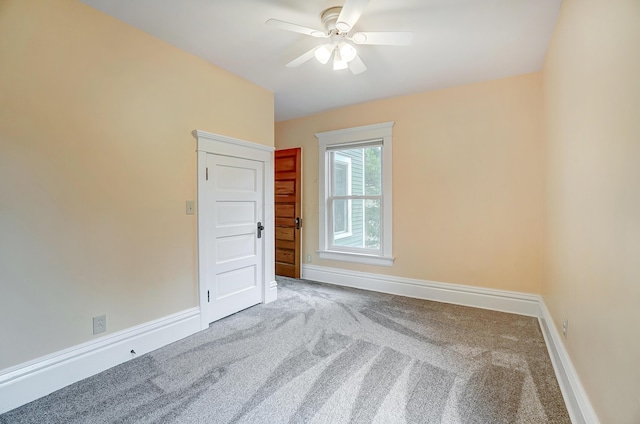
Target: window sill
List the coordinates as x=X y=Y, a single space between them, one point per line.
x=356 y=258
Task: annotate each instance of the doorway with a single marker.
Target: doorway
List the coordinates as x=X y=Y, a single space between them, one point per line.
x=235 y=225
x=288 y=219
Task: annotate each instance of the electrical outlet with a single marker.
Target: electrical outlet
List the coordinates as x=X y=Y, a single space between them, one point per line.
x=565 y=324
x=191 y=207
x=308 y=258
x=99 y=324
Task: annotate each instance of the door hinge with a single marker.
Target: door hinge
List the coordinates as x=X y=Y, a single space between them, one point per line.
x=208 y=296
x=207 y=173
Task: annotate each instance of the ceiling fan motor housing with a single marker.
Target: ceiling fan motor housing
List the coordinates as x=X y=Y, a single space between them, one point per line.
x=329 y=18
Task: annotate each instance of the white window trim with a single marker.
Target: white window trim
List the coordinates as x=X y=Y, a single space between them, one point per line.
x=346 y=136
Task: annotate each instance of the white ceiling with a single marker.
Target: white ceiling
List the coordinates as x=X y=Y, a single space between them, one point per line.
x=455 y=42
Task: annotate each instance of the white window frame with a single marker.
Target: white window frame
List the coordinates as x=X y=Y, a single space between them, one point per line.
x=348 y=232
x=351 y=137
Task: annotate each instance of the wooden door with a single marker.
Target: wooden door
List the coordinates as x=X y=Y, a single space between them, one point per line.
x=235 y=192
x=288 y=195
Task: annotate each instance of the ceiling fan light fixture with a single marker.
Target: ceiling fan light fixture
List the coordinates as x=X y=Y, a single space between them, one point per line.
x=338 y=21
x=347 y=51
x=323 y=53
x=338 y=63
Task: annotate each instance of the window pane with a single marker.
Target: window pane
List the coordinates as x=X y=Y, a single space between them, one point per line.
x=373 y=170
x=350 y=163
x=353 y=236
x=340 y=178
x=372 y=224
x=361 y=228
x=340 y=217
x=357 y=171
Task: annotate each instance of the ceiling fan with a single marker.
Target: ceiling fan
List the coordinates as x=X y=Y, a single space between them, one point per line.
x=338 y=23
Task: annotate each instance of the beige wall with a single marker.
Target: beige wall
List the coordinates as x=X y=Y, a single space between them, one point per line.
x=96 y=163
x=467 y=182
x=592 y=225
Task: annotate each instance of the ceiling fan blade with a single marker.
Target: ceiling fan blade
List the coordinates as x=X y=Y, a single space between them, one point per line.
x=383 y=38
x=350 y=14
x=357 y=66
x=288 y=26
x=301 y=59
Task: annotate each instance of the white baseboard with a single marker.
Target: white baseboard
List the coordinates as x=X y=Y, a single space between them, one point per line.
x=580 y=409
x=578 y=404
x=29 y=381
x=478 y=297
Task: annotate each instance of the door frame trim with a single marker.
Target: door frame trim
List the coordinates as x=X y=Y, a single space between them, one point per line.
x=211 y=143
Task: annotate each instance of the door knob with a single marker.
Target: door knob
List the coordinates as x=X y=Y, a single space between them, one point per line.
x=260 y=229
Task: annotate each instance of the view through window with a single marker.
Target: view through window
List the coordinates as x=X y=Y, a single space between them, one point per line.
x=356 y=196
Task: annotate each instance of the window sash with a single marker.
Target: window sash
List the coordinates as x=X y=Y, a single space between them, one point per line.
x=335 y=155
x=331 y=231
x=332 y=159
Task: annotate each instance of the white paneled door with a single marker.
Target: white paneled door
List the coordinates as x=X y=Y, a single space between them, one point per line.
x=235 y=193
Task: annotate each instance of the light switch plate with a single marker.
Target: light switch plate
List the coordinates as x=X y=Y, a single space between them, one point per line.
x=191 y=208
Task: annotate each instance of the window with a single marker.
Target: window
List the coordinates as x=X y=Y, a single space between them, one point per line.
x=355 y=194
